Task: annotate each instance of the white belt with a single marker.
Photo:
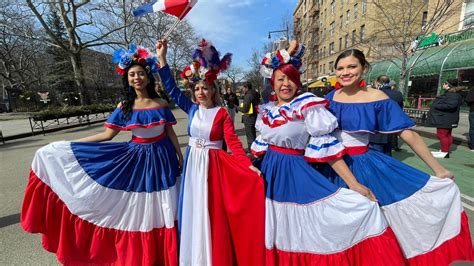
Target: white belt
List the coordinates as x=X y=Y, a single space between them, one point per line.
x=204 y=143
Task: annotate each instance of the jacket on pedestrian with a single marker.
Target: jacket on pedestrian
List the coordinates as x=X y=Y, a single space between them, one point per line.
x=398 y=98
x=250 y=97
x=231 y=100
x=444 y=112
x=470 y=100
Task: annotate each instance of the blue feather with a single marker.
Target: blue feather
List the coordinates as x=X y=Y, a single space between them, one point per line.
x=214 y=60
x=117 y=55
x=197 y=54
x=132 y=48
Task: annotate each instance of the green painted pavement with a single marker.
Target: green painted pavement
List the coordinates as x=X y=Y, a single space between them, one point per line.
x=460 y=163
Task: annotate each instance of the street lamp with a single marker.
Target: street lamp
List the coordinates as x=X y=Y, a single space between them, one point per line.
x=275 y=31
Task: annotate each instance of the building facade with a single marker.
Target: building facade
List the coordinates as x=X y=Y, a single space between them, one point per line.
x=306 y=30
x=328 y=27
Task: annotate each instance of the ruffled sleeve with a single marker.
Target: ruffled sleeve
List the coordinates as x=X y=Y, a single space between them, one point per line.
x=259 y=146
x=322 y=146
x=116 y=120
x=140 y=118
x=391 y=118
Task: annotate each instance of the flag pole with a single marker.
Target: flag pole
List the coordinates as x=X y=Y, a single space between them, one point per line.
x=176 y=23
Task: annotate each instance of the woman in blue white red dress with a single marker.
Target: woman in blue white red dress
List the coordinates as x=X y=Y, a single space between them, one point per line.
x=309 y=220
x=424 y=211
x=221 y=202
x=115 y=202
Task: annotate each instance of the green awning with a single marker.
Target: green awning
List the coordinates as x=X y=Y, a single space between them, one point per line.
x=383 y=68
x=429 y=62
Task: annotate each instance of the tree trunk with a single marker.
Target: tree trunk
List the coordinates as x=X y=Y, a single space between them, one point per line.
x=403 y=84
x=79 y=78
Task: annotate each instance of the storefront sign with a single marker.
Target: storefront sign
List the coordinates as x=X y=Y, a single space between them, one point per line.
x=461 y=36
x=434 y=39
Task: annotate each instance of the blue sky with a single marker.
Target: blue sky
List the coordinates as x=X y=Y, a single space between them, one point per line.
x=239 y=26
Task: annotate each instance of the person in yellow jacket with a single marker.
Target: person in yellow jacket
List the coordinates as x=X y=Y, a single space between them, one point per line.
x=249 y=114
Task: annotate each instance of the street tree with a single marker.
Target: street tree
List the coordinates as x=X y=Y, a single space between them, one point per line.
x=19 y=61
x=60 y=76
x=253 y=74
x=235 y=74
x=84 y=22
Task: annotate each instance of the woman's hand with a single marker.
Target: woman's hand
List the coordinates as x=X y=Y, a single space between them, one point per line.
x=444 y=174
x=161 y=50
x=255 y=169
x=364 y=191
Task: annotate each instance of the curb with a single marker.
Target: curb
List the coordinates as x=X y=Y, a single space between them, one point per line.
x=35 y=133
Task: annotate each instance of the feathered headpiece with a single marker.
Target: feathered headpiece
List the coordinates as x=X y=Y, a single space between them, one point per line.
x=138 y=55
x=206 y=64
x=292 y=55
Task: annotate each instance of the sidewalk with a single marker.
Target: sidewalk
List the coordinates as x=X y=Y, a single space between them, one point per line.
x=16 y=125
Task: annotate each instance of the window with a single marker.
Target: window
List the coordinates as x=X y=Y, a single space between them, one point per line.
x=346 y=41
x=364 y=7
x=341 y=21
x=424 y=20
x=356 y=11
x=324 y=67
x=362 y=33
x=324 y=51
x=333 y=7
x=340 y=44
x=321 y=53
x=348 y=16
x=330 y=66
x=332 y=28
x=353 y=37
x=331 y=48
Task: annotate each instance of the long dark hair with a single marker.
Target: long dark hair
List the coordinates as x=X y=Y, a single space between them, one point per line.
x=357 y=54
x=130 y=95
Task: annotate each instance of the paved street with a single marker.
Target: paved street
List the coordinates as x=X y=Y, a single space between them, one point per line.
x=20 y=248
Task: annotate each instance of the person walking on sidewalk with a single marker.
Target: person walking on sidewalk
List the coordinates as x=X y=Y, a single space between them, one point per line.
x=231 y=101
x=249 y=113
x=444 y=115
x=470 y=103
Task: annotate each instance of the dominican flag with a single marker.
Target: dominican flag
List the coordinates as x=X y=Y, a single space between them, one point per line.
x=177 y=8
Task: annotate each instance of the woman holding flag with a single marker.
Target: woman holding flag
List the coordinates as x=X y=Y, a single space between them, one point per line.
x=221 y=201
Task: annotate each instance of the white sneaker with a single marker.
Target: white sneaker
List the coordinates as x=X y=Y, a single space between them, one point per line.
x=440 y=154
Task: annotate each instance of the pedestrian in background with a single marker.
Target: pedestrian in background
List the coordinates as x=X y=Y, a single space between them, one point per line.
x=470 y=103
x=231 y=101
x=444 y=115
x=161 y=93
x=386 y=142
x=249 y=113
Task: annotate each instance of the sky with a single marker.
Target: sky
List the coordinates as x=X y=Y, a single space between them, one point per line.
x=239 y=26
